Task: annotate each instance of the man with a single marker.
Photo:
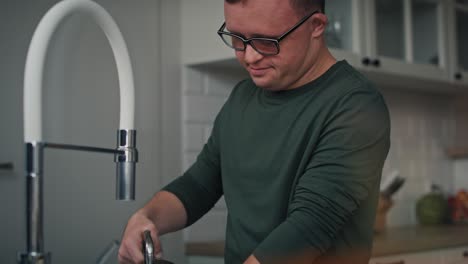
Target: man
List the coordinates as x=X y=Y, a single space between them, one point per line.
x=297 y=150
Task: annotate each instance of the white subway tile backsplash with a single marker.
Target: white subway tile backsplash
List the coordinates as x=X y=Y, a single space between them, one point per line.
x=410 y=169
x=194 y=137
x=399 y=148
x=192 y=81
x=221 y=82
x=412 y=189
x=424 y=169
x=410 y=126
x=424 y=148
x=452 y=130
x=189 y=159
x=443 y=174
x=445 y=129
x=422 y=128
x=461 y=174
x=437 y=152
x=387 y=169
x=401 y=214
x=207 y=132
x=221 y=204
x=201 y=108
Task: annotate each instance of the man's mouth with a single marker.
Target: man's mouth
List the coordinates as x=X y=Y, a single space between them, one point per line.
x=258 y=71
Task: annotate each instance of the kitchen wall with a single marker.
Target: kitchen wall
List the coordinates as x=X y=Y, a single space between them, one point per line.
x=81 y=106
x=423 y=125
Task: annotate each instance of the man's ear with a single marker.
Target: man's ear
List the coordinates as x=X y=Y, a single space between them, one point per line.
x=319 y=23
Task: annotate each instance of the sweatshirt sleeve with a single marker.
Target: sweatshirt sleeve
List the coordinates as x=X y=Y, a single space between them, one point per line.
x=344 y=169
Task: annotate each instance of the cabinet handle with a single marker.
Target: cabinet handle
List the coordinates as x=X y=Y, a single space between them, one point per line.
x=376 y=63
x=366 y=61
x=458 y=76
x=396 y=262
x=6 y=166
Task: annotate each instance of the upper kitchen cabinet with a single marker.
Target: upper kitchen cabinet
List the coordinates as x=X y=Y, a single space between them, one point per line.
x=458 y=30
x=343 y=33
x=200 y=42
x=406 y=38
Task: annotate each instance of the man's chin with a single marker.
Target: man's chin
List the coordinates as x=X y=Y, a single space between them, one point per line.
x=262 y=83
x=266 y=85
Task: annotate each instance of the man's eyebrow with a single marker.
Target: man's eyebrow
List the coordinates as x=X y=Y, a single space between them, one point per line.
x=235 y=32
x=264 y=36
x=253 y=35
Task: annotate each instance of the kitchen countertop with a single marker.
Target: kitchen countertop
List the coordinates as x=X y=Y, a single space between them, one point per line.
x=398 y=240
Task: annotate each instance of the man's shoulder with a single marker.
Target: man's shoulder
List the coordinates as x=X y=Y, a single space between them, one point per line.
x=346 y=82
x=350 y=89
x=349 y=79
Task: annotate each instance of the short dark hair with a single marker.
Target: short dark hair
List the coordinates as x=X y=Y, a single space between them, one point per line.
x=307 y=6
x=302 y=6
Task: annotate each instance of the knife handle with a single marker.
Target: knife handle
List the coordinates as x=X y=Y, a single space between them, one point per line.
x=148 y=247
x=148 y=250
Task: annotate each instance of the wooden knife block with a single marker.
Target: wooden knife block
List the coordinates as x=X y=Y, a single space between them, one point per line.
x=383 y=207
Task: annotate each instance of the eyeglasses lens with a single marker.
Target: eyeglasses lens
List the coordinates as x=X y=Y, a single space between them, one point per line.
x=263 y=46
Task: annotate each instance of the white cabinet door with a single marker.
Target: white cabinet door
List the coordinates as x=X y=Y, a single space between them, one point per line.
x=417 y=258
x=343 y=34
x=458 y=30
x=407 y=37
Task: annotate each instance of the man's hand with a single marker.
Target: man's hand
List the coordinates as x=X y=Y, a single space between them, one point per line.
x=251 y=260
x=130 y=251
x=164 y=213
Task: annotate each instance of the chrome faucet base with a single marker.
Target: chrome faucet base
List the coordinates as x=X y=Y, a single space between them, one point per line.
x=34 y=258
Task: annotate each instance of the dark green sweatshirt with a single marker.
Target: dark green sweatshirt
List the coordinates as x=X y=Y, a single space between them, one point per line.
x=299 y=169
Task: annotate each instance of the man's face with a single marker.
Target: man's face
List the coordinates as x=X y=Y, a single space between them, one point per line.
x=271 y=18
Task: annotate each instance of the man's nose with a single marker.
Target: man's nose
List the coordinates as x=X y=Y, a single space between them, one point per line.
x=251 y=55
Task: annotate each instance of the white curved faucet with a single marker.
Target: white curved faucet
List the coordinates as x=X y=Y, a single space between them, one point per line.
x=125 y=153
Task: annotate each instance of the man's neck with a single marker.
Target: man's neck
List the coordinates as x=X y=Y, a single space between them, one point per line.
x=324 y=62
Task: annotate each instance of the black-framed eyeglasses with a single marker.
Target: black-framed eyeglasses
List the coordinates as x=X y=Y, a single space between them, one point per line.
x=264 y=46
